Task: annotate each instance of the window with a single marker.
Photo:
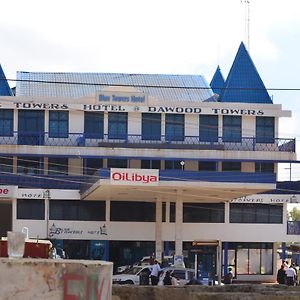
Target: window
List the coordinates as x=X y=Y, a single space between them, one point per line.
x=75 y=210
x=151 y=126
x=58 y=124
x=172 y=212
x=174 y=127
x=57 y=166
x=30 y=165
x=232 y=128
x=264 y=167
x=173 y=165
x=265 y=129
x=203 y=212
x=126 y=211
x=31 y=209
x=117 y=125
x=256 y=213
x=91 y=165
x=231 y=166
x=116 y=163
x=6 y=164
x=208 y=128
x=164 y=211
x=93 y=125
x=150 y=164
x=6 y=122
x=207 y=166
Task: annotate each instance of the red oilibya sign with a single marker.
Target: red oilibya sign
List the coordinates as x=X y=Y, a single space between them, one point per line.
x=142 y=177
x=8 y=191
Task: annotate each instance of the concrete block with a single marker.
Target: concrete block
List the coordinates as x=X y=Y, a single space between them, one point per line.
x=55 y=279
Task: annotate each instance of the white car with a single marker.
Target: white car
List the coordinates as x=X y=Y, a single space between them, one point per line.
x=133 y=275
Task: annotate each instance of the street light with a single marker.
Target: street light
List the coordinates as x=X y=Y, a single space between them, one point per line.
x=182 y=165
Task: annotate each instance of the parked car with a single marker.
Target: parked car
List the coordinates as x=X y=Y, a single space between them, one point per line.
x=183 y=275
x=132 y=275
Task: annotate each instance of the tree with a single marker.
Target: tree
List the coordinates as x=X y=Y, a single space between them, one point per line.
x=294 y=214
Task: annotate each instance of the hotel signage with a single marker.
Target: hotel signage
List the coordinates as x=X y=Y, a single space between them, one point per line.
x=141 y=177
x=268 y=198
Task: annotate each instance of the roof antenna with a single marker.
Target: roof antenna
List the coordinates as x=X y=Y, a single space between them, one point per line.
x=247 y=22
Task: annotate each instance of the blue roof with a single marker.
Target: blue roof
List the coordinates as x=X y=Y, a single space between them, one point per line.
x=76 y=85
x=5 y=90
x=217 y=82
x=243 y=83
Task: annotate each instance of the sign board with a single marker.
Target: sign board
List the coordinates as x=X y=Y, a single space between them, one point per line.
x=141 y=177
x=268 y=198
x=8 y=191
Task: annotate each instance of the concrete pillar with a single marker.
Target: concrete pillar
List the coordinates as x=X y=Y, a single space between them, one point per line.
x=227 y=213
x=178 y=223
x=219 y=262
x=158 y=230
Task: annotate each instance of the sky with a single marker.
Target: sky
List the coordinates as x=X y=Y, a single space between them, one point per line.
x=158 y=36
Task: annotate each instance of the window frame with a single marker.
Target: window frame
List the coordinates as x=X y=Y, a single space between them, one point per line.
x=58 y=124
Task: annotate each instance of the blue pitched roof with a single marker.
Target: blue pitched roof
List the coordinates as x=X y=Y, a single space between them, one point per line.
x=243 y=83
x=5 y=90
x=217 y=82
x=160 y=86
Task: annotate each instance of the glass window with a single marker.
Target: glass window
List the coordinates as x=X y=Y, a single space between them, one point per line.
x=31 y=209
x=150 y=164
x=256 y=213
x=264 y=167
x=164 y=211
x=6 y=165
x=30 y=165
x=232 y=128
x=173 y=165
x=151 y=126
x=58 y=124
x=126 y=211
x=57 y=166
x=207 y=166
x=117 y=125
x=116 y=163
x=203 y=212
x=231 y=166
x=6 y=122
x=266 y=261
x=254 y=261
x=242 y=261
x=208 y=128
x=91 y=165
x=172 y=212
x=174 y=127
x=93 y=124
x=265 y=129
x=77 y=210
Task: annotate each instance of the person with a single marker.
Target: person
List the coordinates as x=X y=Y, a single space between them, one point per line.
x=281 y=275
x=228 y=277
x=290 y=276
x=167 y=280
x=155 y=269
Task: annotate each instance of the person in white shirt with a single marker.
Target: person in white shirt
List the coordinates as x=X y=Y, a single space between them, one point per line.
x=155 y=269
x=290 y=276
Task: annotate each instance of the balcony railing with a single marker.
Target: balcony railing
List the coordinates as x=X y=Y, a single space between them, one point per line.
x=137 y=141
x=293 y=227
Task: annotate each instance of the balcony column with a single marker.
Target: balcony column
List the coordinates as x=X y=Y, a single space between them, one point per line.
x=178 y=223
x=158 y=230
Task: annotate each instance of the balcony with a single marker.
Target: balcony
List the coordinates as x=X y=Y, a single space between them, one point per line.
x=293 y=227
x=136 y=141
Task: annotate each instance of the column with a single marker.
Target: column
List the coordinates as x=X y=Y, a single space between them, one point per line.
x=178 y=223
x=219 y=262
x=158 y=230
x=225 y=258
x=227 y=213
x=283 y=247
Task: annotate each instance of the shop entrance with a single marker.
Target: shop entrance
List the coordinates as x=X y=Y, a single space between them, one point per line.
x=5 y=218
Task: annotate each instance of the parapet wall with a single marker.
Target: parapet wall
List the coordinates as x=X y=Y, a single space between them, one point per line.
x=228 y=292
x=54 y=279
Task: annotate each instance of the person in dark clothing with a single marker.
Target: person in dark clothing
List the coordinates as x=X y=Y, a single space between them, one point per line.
x=167 y=280
x=281 y=275
x=228 y=277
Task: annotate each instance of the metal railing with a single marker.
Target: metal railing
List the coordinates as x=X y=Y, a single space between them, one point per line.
x=138 y=141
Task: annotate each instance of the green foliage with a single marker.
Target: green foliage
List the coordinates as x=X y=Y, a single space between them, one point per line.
x=294 y=214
